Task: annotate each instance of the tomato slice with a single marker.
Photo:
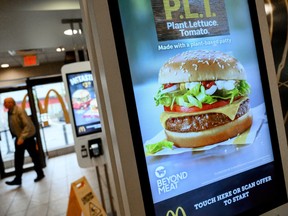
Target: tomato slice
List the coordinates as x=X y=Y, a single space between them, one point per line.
x=168 y=85
x=208 y=84
x=177 y=108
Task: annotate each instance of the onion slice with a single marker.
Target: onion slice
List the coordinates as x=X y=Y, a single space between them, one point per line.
x=170 y=89
x=211 y=90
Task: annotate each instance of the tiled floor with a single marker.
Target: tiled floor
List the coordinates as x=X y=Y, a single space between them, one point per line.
x=50 y=196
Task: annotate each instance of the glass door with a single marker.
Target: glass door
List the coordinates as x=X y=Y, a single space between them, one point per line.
x=7 y=147
x=52 y=112
x=49 y=109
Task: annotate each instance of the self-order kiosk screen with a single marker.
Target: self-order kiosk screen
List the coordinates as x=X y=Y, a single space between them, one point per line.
x=204 y=108
x=83 y=102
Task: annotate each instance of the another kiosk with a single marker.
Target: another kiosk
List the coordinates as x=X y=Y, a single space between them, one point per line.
x=84 y=113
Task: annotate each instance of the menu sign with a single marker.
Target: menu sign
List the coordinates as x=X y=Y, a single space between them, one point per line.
x=185 y=19
x=83 y=102
x=209 y=140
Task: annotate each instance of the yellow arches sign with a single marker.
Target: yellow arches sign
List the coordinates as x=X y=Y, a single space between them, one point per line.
x=44 y=109
x=177 y=212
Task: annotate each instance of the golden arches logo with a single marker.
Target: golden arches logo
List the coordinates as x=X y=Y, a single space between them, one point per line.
x=44 y=109
x=81 y=129
x=178 y=210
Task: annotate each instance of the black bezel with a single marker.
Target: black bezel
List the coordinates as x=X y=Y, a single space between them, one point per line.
x=131 y=105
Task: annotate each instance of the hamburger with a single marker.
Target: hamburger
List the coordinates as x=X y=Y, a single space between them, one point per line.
x=205 y=98
x=81 y=99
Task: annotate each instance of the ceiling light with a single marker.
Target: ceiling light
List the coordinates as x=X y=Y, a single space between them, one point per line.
x=12 y=52
x=69 y=32
x=60 y=49
x=4 y=65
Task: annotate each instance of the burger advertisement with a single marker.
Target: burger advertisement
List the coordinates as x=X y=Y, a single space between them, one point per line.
x=203 y=106
x=83 y=102
x=205 y=98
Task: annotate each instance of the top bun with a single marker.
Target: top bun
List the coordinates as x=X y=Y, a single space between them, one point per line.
x=201 y=65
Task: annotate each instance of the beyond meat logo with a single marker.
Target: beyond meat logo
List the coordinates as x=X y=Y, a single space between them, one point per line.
x=168 y=183
x=180 y=19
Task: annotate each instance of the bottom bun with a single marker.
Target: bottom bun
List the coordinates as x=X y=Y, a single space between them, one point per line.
x=211 y=136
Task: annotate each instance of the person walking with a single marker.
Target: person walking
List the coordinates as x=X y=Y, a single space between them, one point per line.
x=1 y=164
x=23 y=130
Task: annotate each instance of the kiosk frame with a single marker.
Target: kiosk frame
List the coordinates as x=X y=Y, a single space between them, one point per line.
x=103 y=43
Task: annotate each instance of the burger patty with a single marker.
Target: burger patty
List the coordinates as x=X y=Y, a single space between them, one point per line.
x=202 y=122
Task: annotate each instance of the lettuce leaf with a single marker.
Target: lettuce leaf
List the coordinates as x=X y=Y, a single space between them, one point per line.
x=197 y=95
x=156 y=147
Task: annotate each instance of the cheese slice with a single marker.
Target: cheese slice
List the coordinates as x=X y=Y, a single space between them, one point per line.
x=229 y=110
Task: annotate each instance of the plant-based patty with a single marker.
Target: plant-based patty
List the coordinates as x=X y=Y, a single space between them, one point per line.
x=203 y=121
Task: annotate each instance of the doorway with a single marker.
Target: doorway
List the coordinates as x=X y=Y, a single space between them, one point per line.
x=22 y=97
x=52 y=114
x=49 y=112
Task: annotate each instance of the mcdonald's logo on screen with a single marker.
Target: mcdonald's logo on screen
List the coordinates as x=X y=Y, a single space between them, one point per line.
x=179 y=212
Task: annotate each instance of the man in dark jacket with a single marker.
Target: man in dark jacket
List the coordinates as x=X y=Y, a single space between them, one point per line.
x=23 y=129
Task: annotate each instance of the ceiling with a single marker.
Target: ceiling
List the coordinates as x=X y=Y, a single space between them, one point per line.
x=34 y=27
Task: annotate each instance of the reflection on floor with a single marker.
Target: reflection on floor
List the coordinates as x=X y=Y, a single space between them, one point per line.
x=50 y=196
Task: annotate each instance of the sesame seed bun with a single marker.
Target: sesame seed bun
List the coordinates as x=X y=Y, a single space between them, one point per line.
x=201 y=65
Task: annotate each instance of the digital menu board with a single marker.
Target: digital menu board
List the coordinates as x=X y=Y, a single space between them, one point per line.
x=200 y=106
x=83 y=103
